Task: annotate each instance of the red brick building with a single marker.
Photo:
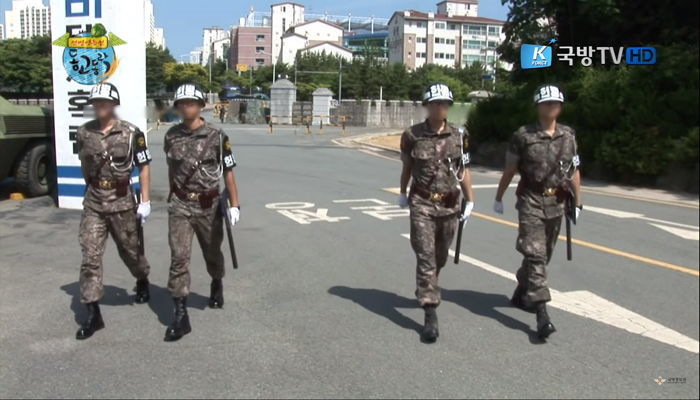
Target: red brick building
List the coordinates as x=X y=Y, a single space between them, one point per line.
x=251 y=46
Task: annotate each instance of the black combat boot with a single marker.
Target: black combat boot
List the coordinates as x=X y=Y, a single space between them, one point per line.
x=518 y=301
x=181 y=326
x=544 y=325
x=142 y=291
x=430 y=331
x=93 y=323
x=216 y=298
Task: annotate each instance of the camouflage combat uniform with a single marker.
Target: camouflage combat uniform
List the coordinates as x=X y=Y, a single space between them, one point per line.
x=543 y=162
x=194 y=202
x=434 y=200
x=109 y=206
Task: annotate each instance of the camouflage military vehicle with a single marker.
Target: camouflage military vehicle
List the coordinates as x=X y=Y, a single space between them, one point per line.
x=26 y=147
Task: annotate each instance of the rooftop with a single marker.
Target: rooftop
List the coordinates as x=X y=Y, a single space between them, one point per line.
x=413 y=14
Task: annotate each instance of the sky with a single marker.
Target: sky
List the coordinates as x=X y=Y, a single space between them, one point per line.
x=184 y=20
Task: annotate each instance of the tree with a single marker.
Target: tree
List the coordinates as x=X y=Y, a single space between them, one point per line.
x=176 y=74
x=25 y=65
x=156 y=58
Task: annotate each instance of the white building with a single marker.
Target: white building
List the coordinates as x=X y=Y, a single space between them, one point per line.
x=284 y=16
x=330 y=49
x=453 y=36
x=27 y=18
x=215 y=39
x=149 y=21
x=196 y=56
x=159 y=37
x=307 y=36
x=2 y=31
x=468 y=8
x=154 y=34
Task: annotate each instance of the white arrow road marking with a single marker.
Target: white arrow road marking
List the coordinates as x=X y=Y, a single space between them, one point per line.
x=589 y=305
x=683 y=233
x=625 y=214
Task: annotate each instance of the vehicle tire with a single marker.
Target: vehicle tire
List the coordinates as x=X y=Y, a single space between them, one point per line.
x=33 y=170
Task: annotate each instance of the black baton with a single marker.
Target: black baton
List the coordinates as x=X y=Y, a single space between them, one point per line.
x=224 y=213
x=568 y=239
x=139 y=225
x=458 y=246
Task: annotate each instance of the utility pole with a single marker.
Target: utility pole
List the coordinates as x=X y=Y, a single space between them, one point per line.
x=340 y=81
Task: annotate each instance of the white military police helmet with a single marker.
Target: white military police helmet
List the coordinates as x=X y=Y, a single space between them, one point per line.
x=437 y=92
x=548 y=93
x=104 y=91
x=189 y=91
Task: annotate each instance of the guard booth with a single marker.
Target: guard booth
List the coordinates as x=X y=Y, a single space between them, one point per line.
x=283 y=94
x=322 y=98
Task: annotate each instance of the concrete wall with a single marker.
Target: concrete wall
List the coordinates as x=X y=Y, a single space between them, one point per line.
x=393 y=113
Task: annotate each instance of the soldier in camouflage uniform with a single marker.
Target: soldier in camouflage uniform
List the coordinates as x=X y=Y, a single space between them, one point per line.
x=545 y=156
x=109 y=150
x=198 y=155
x=435 y=157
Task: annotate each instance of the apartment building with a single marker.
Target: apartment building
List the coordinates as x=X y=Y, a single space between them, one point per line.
x=452 y=36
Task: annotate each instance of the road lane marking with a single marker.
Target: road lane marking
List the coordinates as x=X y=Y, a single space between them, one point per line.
x=629 y=215
x=591 y=306
x=302 y=212
x=638 y=198
x=683 y=233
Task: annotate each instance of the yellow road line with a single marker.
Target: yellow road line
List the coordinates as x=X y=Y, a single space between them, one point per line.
x=590 y=245
x=604 y=249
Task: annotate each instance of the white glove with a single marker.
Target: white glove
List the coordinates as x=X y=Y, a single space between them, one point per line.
x=467 y=212
x=403 y=200
x=234 y=215
x=143 y=211
x=498 y=207
x=578 y=212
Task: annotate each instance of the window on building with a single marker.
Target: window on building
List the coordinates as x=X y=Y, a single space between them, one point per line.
x=440 y=56
x=259 y=49
x=476 y=30
x=449 y=41
x=440 y=25
x=260 y=38
x=473 y=44
x=494 y=30
x=260 y=61
x=493 y=44
x=453 y=27
x=422 y=40
x=470 y=59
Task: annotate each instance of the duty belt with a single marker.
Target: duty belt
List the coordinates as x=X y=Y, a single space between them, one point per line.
x=448 y=199
x=205 y=199
x=109 y=184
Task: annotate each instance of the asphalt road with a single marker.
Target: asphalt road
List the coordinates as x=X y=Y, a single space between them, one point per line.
x=323 y=304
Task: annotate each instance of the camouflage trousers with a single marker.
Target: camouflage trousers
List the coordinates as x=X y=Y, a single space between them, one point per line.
x=536 y=240
x=94 y=228
x=431 y=238
x=209 y=228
